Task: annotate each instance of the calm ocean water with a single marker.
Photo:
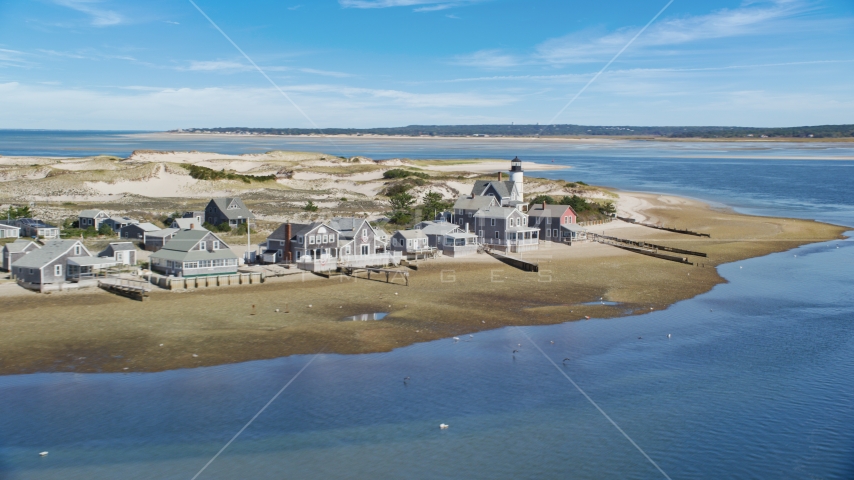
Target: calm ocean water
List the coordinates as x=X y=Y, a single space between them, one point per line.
x=757 y=380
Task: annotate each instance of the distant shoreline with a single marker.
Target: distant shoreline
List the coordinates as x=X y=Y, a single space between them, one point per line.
x=592 y=138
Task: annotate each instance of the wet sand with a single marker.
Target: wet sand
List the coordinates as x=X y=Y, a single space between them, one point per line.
x=95 y=331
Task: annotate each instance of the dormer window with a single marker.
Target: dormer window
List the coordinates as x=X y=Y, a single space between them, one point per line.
x=216 y=245
x=202 y=245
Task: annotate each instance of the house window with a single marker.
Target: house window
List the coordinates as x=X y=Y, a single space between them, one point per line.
x=409 y=243
x=31 y=271
x=300 y=239
x=332 y=238
x=216 y=244
x=554 y=233
x=325 y=238
x=347 y=250
x=57 y=270
x=203 y=246
x=77 y=250
x=492 y=222
x=548 y=233
x=311 y=239
x=365 y=233
x=497 y=234
x=548 y=220
x=565 y=219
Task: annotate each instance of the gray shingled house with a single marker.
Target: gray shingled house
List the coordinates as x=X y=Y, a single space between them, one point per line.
x=138 y=231
x=194 y=253
x=549 y=218
x=91 y=218
x=15 y=250
x=227 y=210
x=117 y=223
x=505 y=227
x=466 y=206
x=123 y=252
x=449 y=238
x=187 y=224
x=9 y=231
x=410 y=241
x=154 y=241
x=48 y=264
x=357 y=236
x=198 y=215
x=296 y=242
x=31 y=227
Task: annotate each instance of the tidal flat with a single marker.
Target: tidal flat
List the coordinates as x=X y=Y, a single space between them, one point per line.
x=99 y=332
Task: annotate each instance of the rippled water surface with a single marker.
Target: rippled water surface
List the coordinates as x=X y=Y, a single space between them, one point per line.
x=755 y=381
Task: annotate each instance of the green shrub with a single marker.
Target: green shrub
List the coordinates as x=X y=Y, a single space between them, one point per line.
x=104 y=229
x=205 y=173
x=401 y=173
x=310 y=206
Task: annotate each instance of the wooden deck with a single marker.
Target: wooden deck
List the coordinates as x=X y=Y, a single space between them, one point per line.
x=135 y=289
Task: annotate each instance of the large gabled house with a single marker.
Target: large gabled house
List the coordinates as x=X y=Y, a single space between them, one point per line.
x=509 y=193
x=295 y=242
x=15 y=250
x=356 y=236
x=231 y=211
x=91 y=218
x=549 y=219
x=48 y=264
x=466 y=206
x=505 y=227
x=194 y=253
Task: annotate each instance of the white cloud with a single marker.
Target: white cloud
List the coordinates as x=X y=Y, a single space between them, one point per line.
x=142 y=107
x=13 y=58
x=594 y=46
x=99 y=17
x=422 y=5
x=488 y=59
x=217 y=65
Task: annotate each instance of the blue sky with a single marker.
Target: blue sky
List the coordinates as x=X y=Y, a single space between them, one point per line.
x=107 y=64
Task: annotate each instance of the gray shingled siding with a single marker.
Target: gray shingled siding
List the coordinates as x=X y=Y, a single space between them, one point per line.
x=486 y=231
x=553 y=228
x=46 y=274
x=302 y=248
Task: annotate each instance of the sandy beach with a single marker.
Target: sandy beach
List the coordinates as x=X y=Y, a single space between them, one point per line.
x=95 y=331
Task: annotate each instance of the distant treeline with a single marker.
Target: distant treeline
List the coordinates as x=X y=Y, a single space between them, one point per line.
x=819 y=131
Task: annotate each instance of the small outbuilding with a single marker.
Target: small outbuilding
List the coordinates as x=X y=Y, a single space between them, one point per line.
x=138 y=231
x=15 y=250
x=124 y=253
x=410 y=241
x=9 y=231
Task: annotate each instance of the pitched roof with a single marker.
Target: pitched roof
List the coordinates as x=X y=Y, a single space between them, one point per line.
x=90 y=213
x=9 y=227
x=573 y=227
x=536 y=210
x=48 y=253
x=33 y=223
x=118 y=246
x=343 y=224
x=495 y=212
x=241 y=212
x=186 y=223
x=146 y=227
x=437 y=228
x=162 y=233
x=179 y=248
x=502 y=188
x=410 y=234
x=19 y=245
x=475 y=202
x=128 y=220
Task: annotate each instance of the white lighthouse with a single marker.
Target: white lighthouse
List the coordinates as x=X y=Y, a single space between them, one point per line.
x=517 y=177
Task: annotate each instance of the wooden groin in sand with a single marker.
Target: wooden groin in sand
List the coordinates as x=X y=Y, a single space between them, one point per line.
x=668 y=229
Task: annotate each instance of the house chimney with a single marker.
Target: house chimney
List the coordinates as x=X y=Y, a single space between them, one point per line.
x=499 y=176
x=544 y=205
x=288 y=242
